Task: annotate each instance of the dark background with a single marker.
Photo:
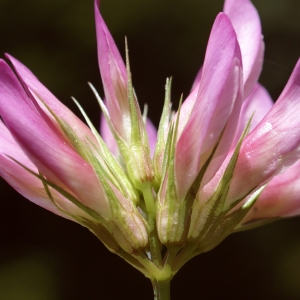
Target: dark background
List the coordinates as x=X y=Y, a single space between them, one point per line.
x=44 y=257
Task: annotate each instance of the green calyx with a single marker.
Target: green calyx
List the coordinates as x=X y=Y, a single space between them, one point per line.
x=134 y=148
x=163 y=134
x=213 y=220
x=172 y=213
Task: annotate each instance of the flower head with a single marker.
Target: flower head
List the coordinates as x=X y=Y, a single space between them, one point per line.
x=228 y=158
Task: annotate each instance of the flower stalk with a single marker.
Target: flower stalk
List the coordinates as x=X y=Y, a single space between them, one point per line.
x=161 y=289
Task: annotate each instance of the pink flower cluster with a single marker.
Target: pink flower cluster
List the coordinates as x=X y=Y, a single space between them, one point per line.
x=56 y=161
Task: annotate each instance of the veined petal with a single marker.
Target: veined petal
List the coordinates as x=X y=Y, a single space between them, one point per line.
x=114 y=76
x=8 y=146
x=246 y=23
x=50 y=152
x=256 y=105
x=218 y=90
x=25 y=183
x=33 y=191
x=281 y=197
x=270 y=148
x=40 y=92
x=226 y=141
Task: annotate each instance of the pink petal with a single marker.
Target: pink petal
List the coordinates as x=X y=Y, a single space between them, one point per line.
x=227 y=139
x=9 y=146
x=114 y=76
x=218 y=90
x=22 y=181
x=108 y=136
x=246 y=23
x=50 y=152
x=37 y=88
x=281 y=197
x=105 y=34
x=187 y=108
x=270 y=148
x=152 y=136
x=257 y=105
x=34 y=193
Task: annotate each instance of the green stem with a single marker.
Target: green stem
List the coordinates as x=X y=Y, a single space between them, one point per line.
x=154 y=243
x=162 y=275
x=161 y=289
x=149 y=200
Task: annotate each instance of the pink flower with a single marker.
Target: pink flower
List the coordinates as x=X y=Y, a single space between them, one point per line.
x=226 y=159
x=41 y=134
x=224 y=96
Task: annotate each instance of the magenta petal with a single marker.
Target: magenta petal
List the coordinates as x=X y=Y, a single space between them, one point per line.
x=186 y=109
x=50 y=153
x=227 y=139
x=34 y=192
x=274 y=143
x=271 y=147
x=218 y=90
x=257 y=105
x=114 y=76
x=32 y=189
x=281 y=197
x=152 y=136
x=108 y=136
x=246 y=23
x=20 y=179
x=104 y=34
x=9 y=146
x=37 y=88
